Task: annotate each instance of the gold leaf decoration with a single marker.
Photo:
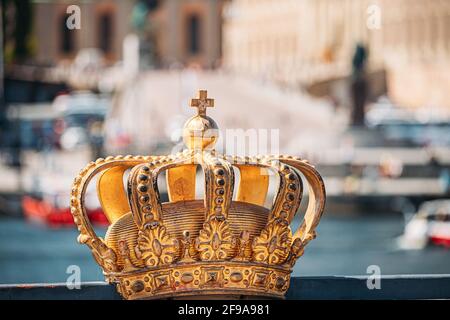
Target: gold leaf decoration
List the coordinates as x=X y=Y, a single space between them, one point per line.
x=273 y=244
x=105 y=256
x=155 y=246
x=215 y=240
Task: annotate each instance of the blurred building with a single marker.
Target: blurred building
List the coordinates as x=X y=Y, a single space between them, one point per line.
x=305 y=42
x=180 y=31
x=187 y=31
x=104 y=25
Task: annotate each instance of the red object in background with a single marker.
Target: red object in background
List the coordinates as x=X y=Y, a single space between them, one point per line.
x=43 y=212
x=97 y=216
x=440 y=241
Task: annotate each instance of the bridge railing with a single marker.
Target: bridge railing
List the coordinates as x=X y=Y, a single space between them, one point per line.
x=324 y=287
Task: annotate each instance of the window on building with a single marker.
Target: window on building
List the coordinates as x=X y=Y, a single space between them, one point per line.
x=67 y=41
x=105 y=35
x=193 y=36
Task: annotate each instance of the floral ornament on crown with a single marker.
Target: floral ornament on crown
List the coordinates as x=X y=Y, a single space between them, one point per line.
x=155 y=246
x=273 y=245
x=215 y=240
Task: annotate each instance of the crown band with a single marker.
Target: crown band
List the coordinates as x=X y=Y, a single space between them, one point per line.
x=191 y=279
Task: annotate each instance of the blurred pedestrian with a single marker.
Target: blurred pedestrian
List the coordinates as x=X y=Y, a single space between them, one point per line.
x=359 y=86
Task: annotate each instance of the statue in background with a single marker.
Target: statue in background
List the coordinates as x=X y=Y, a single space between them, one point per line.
x=359 y=85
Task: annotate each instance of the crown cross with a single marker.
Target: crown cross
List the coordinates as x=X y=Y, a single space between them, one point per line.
x=202 y=102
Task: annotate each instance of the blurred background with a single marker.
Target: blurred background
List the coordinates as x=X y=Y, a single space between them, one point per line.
x=361 y=88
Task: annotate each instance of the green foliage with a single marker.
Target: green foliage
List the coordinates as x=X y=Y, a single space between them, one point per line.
x=17 y=18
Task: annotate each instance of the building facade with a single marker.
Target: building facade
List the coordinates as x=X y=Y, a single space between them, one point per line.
x=181 y=32
x=303 y=42
x=103 y=25
x=187 y=32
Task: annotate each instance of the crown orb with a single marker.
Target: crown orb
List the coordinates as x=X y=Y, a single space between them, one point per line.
x=200 y=133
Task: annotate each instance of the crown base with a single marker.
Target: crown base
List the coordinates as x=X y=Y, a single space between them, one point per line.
x=208 y=280
x=218 y=294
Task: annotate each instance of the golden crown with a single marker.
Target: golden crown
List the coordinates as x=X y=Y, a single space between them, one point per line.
x=187 y=246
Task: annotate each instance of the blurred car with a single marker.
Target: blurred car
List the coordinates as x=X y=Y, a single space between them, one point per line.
x=73 y=137
x=410 y=127
x=81 y=113
x=431 y=224
x=31 y=126
x=383 y=112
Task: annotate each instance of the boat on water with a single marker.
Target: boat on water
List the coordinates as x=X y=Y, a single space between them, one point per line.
x=50 y=210
x=430 y=225
x=52 y=134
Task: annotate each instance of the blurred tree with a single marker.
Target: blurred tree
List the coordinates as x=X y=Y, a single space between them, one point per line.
x=16 y=22
x=2 y=84
x=17 y=19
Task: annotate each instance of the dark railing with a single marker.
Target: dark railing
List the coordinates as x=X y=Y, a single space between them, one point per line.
x=334 y=287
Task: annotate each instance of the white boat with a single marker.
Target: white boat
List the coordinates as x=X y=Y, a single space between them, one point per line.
x=430 y=225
